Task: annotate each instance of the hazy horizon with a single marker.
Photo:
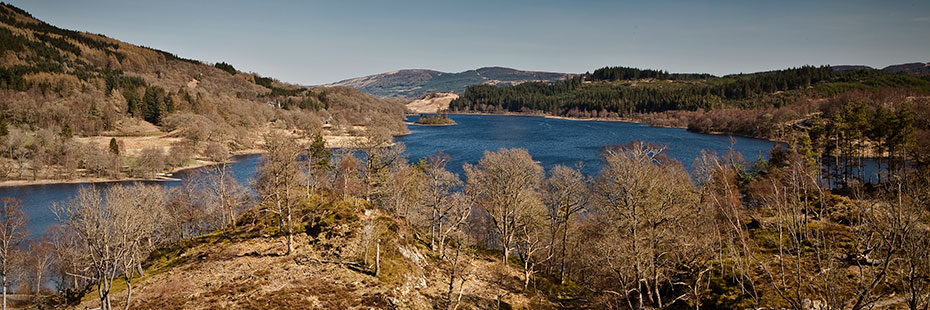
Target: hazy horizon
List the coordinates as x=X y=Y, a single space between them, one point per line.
x=319 y=43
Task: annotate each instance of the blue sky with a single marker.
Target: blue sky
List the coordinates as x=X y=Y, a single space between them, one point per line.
x=311 y=42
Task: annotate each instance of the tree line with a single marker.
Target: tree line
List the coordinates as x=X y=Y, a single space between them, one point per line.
x=627 y=73
x=631 y=95
x=887 y=127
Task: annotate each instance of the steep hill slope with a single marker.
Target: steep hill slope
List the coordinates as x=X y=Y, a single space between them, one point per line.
x=62 y=89
x=413 y=83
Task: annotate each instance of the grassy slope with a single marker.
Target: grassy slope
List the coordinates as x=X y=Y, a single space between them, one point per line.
x=243 y=267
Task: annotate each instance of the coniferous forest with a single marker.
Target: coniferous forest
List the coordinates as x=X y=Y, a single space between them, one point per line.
x=619 y=91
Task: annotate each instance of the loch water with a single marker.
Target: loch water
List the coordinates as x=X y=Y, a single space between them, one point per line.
x=550 y=141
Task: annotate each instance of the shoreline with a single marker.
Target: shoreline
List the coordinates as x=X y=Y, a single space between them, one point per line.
x=332 y=142
x=435 y=125
x=619 y=120
x=633 y=121
x=166 y=176
x=340 y=141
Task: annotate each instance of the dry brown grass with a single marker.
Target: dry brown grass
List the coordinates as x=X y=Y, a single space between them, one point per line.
x=242 y=270
x=432 y=103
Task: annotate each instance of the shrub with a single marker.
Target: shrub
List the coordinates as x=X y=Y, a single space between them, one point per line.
x=216 y=151
x=225 y=67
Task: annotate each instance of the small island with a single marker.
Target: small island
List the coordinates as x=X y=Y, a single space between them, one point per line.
x=438 y=119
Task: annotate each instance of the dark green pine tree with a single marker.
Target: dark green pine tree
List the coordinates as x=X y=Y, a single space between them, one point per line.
x=156 y=103
x=132 y=102
x=114 y=147
x=321 y=155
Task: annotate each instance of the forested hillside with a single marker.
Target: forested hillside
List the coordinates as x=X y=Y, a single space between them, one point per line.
x=623 y=91
x=846 y=114
x=64 y=95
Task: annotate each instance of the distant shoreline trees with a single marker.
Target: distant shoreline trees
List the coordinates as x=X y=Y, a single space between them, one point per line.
x=626 y=73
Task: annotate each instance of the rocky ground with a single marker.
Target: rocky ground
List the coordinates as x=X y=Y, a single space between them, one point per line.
x=247 y=269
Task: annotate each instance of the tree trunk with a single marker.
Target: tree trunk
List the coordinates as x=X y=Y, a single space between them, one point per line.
x=38 y=284
x=103 y=298
x=455 y=264
x=290 y=218
x=378 y=258
x=562 y=258
x=128 y=292
x=507 y=240
x=290 y=238
x=442 y=240
x=433 y=231
x=345 y=187
x=4 y=292
x=526 y=273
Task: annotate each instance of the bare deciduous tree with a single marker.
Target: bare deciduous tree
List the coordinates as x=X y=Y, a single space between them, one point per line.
x=721 y=205
x=913 y=270
x=116 y=230
x=69 y=263
x=150 y=162
x=224 y=194
x=504 y=184
x=457 y=269
x=441 y=210
x=278 y=183
x=404 y=190
x=532 y=240
x=137 y=225
x=565 y=194
x=216 y=152
x=380 y=153
x=646 y=200
x=12 y=232
x=38 y=262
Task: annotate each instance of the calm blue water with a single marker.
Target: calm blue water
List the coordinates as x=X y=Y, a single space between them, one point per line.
x=558 y=141
x=38 y=199
x=550 y=141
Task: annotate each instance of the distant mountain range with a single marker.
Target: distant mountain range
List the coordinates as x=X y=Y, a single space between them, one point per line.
x=914 y=68
x=414 y=83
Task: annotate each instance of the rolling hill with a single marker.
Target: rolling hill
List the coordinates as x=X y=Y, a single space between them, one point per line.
x=51 y=76
x=65 y=94
x=914 y=68
x=414 y=83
